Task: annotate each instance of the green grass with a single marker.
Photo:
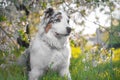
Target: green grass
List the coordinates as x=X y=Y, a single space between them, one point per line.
x=104 y=71
x=101 y=72
x=12 y=73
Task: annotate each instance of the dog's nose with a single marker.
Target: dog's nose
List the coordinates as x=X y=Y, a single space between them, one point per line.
x=68 y=29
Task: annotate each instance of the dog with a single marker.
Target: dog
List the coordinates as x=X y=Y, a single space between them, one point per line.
x=50 y=49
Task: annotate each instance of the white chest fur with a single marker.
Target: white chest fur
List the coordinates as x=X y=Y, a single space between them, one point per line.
x=47 y=56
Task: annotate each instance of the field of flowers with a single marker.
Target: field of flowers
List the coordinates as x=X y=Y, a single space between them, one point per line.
x=91 y=64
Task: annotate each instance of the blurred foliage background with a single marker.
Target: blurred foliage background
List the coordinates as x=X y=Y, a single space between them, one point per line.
x=94 y=56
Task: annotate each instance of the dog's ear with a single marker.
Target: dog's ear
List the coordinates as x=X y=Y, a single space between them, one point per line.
x=49 y=25
x=49 y=12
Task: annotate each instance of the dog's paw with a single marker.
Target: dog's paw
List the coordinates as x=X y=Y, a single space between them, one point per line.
x=49 y=12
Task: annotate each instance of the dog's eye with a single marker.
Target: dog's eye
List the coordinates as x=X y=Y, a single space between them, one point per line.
x=57 y=20
x=68 y=21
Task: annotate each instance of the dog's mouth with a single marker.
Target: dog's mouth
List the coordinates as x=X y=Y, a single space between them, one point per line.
x=60 y=34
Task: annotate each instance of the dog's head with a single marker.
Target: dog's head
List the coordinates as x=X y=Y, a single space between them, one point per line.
x=57 y=23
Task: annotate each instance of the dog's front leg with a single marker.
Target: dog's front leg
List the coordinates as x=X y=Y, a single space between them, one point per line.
x=69 y=76
x=65 y=72
x=35 y=74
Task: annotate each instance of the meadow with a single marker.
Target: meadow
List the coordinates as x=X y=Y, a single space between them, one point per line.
x=90 y=64
x=87 y=62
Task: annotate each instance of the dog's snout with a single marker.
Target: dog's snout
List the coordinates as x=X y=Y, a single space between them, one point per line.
x=68 y=29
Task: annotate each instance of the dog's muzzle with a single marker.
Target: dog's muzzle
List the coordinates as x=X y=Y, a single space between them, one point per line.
x=68 y=29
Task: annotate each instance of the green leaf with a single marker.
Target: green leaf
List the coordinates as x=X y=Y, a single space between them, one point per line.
x=2 y=18
x=88 y=0
x=82 y=12
x=44 y=4
x=23 y=18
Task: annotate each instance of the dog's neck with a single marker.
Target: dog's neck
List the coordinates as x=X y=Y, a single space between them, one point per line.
x=53 y=42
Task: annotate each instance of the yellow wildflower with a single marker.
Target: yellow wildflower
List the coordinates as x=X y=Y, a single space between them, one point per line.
x=76 y=51
x=116 y=53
